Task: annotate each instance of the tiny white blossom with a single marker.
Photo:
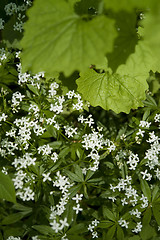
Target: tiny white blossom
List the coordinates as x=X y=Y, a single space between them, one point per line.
x=77 y=208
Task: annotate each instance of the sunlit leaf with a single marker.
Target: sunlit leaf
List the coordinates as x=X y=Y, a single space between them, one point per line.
x=58 y=39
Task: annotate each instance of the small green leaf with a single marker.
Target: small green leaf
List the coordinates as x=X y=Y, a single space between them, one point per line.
x=105 y=224
x=146 y=189
x=78 y=172
x=147 y=216
x=134 y=238
x=13 y=218
x=120 y=233
x=111 y=233
x=78 y=228
x=20 y=207
x=33 y=89
x=89 y=175
x=156 y=212
x=147 y=232
x=43 y=229
x=72 y=176
x=108 y=214
x=7 y=191
x=73 y=190
x=155 y=193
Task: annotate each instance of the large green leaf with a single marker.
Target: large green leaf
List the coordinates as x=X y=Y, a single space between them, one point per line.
x=112 y=91
x=58 y=39
x=123 y=90
x=151 y=30
x=7 y=191
x=126 y=40
x=124 y=5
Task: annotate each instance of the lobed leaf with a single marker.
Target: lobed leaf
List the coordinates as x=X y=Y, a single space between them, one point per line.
x=58 y=39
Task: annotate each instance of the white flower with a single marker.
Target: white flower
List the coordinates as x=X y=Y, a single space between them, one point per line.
x=94 y=234
x=95 y=222
x=70 y=94
x=64 y=223
x=78 y=198
x=77 y=208
x=46 y=177
x=157 y=118
x=55 y=226
x=138 y=227
x=69 y=131
x=123 y=223
x=145 y=124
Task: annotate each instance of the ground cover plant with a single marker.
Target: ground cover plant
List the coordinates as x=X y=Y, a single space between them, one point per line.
x=79 y=120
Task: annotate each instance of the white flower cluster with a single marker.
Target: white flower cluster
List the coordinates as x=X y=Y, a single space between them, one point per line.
x=17 y=97
x=21 y=179
x=12 y=8
x=91 y=228
x=132 y=196
x=133 y=161
x=3 y=55
x=1 y=24
x=77 y=198
x=95 y=141
x=138 y=227
x=70 y=131
x=123 y=223
x=24 y=161
x=61 y=182
x=13 y=238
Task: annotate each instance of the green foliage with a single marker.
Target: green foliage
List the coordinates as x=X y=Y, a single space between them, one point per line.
x=7 y=191
x=72 y=42
x=112 y=91
x=74 y=35
x=72 y=167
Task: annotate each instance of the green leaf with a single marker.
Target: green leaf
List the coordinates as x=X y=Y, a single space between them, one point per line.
x=13 y=218
x=20 y=207
x=147 y=232
x=120 y=233
x=134 y=238
x=147 y=216
x=105 y=224
x=72 y=176
x=156 y=212
x=155 y=193
x=111 y=233
x=78 y=228
x=89 y=175
x=57 y=39
x=33 y=89
x=78 y=172
x=151 y=25
x=125 y=6
x=108 y=214
x=46 y=230
x=73 y=190
x=145 y=189
x=112 y=91
x=73 y=237
x=126 y=40
x=7 y=191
